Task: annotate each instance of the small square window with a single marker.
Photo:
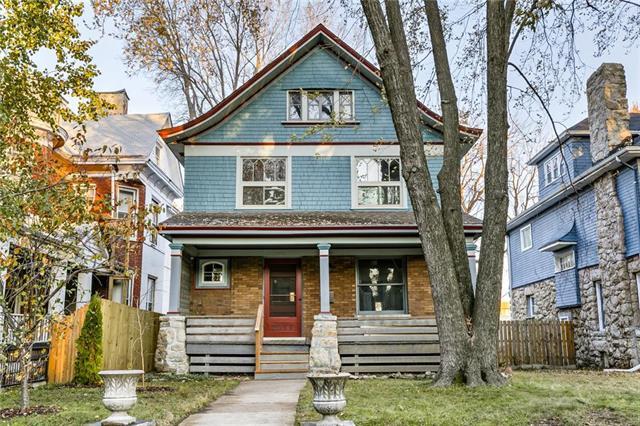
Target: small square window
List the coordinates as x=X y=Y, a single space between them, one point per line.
x=213 y=273
x=526 y=239
x=565 y=260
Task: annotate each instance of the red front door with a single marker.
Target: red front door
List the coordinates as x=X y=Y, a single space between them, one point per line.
x=283 y=298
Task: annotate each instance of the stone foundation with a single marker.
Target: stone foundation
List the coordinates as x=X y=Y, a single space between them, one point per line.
x=171 y=350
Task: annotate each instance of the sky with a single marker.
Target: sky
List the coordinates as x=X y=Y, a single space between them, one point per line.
x=145 y=98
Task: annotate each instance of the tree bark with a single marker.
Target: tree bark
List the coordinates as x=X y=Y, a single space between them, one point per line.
x=395 y=64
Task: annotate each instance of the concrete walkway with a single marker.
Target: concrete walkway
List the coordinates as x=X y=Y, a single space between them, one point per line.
x=255 y=402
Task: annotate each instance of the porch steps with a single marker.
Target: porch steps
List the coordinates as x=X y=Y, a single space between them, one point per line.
x=221 y=344
x=388 y=345
x=283 y=358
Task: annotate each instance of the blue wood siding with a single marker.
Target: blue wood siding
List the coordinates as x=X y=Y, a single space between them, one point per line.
x=628 y=196
x=209 y=183
x=321 y=183
x=567 y=289
x=261 y=119
x=317 y=182
x=532 y=265
x=578 y=159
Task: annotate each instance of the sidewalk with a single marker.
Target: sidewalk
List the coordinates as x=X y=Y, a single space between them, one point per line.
x=255 y=402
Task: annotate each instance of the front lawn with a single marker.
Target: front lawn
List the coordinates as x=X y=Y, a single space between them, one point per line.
x=168 y=400
x=531 y=398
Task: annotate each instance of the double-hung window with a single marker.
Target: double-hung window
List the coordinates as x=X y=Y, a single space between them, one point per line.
x=553 y=169
x=264 y=183
x=127 y=202
x=377 y=182
x=320 y=105
x=565 y=260
x=526 y=239
x=381 y=285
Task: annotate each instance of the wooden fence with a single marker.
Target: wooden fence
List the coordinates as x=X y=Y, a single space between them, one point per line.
x=536 y=343
x=126 y=333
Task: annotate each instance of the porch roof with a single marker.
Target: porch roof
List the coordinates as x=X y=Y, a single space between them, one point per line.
x=305 y=221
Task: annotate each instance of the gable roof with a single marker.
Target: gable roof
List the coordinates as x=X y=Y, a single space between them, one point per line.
x=320 y=35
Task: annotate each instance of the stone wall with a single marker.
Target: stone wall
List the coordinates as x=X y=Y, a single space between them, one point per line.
x=544 y=293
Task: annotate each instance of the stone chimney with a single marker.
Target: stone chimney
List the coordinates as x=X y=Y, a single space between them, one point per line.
x=608 y=110
x=119 y=101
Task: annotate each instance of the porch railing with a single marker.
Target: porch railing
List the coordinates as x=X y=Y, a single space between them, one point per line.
x=14 y=321
x=259 y=330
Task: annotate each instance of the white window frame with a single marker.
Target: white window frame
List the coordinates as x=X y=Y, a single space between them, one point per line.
x=565 y=316
x=304 y=99
x=157 y=153
x=135 y=197
x=522 y=231
x=558 y=257
x=85 y=189
x=531 y=306
x=150 y=298
x=355 y=185
x=240 y=184
x=155 y=221
x=201 y=284
x=558 y=168
x=602 y=323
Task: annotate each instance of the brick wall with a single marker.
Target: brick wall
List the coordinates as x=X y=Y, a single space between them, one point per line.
x=419 y=296
x=243 y=296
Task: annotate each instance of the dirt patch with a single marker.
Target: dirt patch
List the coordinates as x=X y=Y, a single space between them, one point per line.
x=10 y=413
x=148 y=389
x=605 y=417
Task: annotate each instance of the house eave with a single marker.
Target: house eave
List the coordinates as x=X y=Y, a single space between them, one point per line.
x=557 y=245
x=612 y=162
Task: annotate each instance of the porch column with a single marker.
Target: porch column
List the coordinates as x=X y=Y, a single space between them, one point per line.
x=57 y=301
x=174 y=282
x=325 y=303
x=471 y=255
x=83 y=295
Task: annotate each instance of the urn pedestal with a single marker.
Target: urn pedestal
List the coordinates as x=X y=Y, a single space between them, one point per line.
x=120 y=395
x=328 y=398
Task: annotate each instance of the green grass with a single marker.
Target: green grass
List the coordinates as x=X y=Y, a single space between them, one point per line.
x=80 y=405
x=530 y=398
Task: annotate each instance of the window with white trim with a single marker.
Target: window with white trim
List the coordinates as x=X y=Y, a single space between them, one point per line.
x=155 y=220
x=377 y=182
x=526 y=238
x=602 y=323
x=553 y=168
x=565 y=316
x=88 y=190
x=157 y=152
x=531 y=306
x=151 y=292
x=127 y=201
x=638 y=288
x=263 y=183
x=213 y=273
x=320 y=105
x=565 y=260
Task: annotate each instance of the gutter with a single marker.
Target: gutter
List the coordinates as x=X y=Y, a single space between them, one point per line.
x=587 y=177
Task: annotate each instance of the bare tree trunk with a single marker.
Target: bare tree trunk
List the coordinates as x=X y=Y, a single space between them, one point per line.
x=395 y=64
x=25 y=367
x=487 y=311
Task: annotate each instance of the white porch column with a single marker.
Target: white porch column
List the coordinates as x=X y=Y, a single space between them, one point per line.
x=472 y=249
x=56 y=303
x=174 y=282
x=325 y=303
x=83 y=294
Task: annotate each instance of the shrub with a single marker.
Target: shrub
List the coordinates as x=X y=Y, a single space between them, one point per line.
x=89 y=346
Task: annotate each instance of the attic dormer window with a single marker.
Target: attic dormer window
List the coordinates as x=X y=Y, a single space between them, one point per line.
x=554 y=169
x=320 y=105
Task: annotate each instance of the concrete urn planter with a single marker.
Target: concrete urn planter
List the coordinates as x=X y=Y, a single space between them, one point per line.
x=120 y=395
x=328 y=397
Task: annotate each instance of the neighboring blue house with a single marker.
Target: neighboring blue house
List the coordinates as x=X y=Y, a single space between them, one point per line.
x=294 y=201
x=574 y=254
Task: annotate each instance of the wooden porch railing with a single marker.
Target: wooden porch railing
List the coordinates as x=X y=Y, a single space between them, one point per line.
x=259 y=330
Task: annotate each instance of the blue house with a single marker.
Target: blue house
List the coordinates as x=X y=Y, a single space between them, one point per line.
x=574 y=255
x=295 y=206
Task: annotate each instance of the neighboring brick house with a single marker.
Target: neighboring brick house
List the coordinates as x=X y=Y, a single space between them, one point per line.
x=294 y=198
x=574 y=255
x=143 y=171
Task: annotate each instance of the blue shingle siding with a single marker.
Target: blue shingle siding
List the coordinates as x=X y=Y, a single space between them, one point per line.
x=261 y=119
x=532 y=265
x=321 y=183
x=628 y=196
x=577 y=159
x=209 y=183
x=567 y=289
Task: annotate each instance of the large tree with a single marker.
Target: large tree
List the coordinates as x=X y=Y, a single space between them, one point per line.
x=467 y=321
